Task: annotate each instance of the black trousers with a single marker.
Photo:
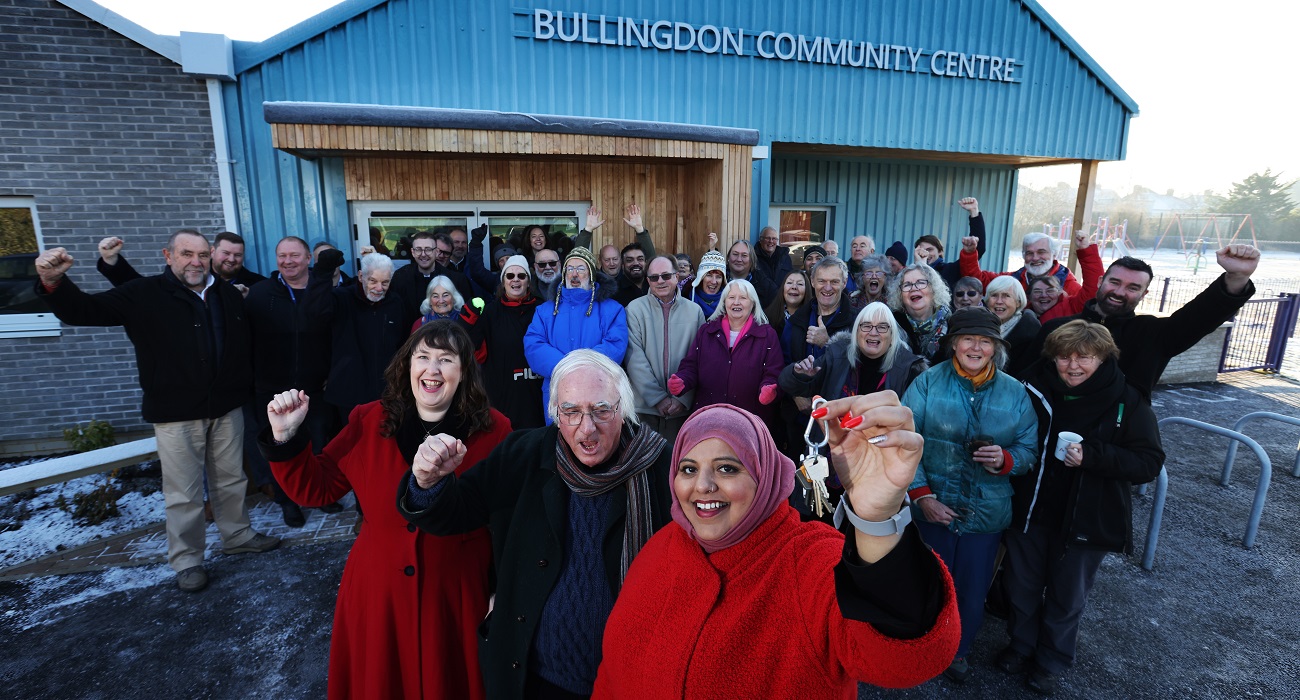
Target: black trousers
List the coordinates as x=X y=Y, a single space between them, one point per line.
x=1047 y=587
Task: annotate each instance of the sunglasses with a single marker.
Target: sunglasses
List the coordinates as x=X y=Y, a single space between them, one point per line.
x=661 y=277
x=966 y=293
x=516 y=276
x=552 y=263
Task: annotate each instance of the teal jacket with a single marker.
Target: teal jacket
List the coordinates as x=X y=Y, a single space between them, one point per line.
x=948 y=412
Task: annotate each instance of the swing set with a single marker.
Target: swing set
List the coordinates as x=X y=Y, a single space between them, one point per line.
x=1195 y=251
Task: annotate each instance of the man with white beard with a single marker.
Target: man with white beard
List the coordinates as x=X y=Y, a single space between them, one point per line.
x=546 y=274
x=1040 y=259
x=366 y=331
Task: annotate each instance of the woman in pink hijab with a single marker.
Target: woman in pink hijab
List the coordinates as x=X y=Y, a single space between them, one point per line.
x=736 y=597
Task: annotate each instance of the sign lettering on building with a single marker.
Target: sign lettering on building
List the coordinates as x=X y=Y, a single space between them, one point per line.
x=665 y=35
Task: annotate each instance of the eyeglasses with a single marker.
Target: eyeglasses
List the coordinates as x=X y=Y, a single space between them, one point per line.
x=661 y=277
x=548 y=263
x=964 y=292
x=915 y=286
x=1081 y=360
x=572 y=269
x=516 y=275
x=873 y=273
x=422 y=251
x=879 y=328
x=603 y=414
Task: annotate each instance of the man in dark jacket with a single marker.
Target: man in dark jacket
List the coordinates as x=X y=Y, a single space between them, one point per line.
x=1148 y=343
x=770 y=257
x=227 y=262
x=631 y=283
x=569 y=506
x=291 y=315
x=833 y=309
x=192 y=348
x=430 y=254
x=367 y=330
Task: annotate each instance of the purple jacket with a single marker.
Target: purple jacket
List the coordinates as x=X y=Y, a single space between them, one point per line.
x=720 y=374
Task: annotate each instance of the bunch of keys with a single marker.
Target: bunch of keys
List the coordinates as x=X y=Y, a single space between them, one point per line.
x=813 y=467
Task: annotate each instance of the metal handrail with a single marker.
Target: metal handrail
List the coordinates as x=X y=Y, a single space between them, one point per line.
x=1162 y=485
x=1232 y=448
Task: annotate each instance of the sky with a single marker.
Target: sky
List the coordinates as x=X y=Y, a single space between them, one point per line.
x=1214 y=81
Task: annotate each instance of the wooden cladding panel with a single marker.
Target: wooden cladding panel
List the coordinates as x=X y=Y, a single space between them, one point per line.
x=342 y=138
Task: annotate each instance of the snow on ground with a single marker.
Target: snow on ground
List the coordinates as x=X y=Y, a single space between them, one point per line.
x=51 y=596
x=46 y=527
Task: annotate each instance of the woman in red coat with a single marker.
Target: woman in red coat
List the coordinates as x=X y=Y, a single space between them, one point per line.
x=736 y=357
x=409 y=602
x=738 y=598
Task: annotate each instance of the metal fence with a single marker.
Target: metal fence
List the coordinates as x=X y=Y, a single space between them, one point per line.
x=1258 y=339
x=1168 y=294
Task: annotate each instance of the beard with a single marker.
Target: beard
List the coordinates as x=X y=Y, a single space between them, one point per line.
x=547 y=278
x=1036 y=270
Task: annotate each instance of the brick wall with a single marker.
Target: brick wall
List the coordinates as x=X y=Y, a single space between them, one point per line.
x=111 y=139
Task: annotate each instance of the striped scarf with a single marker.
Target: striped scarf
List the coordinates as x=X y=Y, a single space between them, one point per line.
x=638 y=449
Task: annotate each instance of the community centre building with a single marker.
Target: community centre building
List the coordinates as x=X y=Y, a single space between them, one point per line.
x=376 y=118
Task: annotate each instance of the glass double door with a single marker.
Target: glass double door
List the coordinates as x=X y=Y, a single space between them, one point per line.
x=389 y=226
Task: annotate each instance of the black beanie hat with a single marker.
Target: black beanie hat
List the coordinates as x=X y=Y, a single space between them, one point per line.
x=898 y=252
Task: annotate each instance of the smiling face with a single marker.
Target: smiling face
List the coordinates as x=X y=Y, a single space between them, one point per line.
x=738 y=259
x=188 y=258
x=1121 y=290
x=926 y=252
x=828 y=285
x=684 y=271
x=794 y=290
x=376 y=284
x=873 y=278
x=1076 y=369
x=634 y=265
x=918 y=297
x=713 y=488
x=435 y=376
x=811 y=260
x=973 y=352
x=292 y=259
x=1003 y=304
x=587 y=390
x=964 y=295
x=515 y=281
x=547 y=264
x=536 y=238
x=422 y=252
x=768 y=240
x=1038 y=257
x=738 y=305
x=1043 y=294
x=663 y=280
x=227 y=259
x=874 y=337
x=441 y=301
x=609 y=260
x=712 y=282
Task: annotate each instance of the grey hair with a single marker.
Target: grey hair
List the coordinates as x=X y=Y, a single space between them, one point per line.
x=1007 y=283
x=587 y=359
x=874 y=261
x=875 y=312
x=375 y=262
x=759 y=317
x=829 y=261
x=445 y=282
x=1036 y=236
x=942 y=296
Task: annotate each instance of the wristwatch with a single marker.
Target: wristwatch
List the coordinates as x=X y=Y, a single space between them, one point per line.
x=883 y=528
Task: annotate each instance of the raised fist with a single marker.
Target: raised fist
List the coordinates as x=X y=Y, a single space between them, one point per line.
x=52 y=265
x=109 y=249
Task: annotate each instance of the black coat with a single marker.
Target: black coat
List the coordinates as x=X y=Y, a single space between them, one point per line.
x=413 y=287
x=774 y=266
x=1148 y=343
x=518 y=494
x=1089 y=506
x=512 y=387
x=122 y=272
x=833 y=371
x=1020 y=343
x=291 y=339
x=365 y=335
x=184 y=372
x=804 y=317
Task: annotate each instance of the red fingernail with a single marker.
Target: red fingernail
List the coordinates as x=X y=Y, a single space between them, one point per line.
x=845 y=418
x=819 y=413
x=852 y=423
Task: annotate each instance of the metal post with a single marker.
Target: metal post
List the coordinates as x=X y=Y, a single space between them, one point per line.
x=1162 y=486
x=1232 y=448
x=1164 y=294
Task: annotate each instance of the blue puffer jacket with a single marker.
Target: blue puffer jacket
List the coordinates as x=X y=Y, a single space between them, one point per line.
x=566 y=325
x=948 y=411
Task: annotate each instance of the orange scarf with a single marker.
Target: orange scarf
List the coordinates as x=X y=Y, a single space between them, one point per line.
x=977 y=380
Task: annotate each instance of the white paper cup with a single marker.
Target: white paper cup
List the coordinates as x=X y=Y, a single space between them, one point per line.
x=1063 y=442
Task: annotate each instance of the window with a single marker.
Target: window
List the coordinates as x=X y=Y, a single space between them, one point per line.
x=801 y=227
x=22 y=313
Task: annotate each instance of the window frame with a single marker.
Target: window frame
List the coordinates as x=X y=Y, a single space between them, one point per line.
x=29 y=325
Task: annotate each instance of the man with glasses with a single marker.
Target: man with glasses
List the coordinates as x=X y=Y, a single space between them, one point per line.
x=430 y=257
x=569 y=506
x=771 y=257
x=584 y=315
x=660 y=329
x=546 y=274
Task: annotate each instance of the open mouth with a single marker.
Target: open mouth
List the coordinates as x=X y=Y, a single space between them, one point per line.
x=588 y=447
x=916 y=298
x=710 y=509
x=431 y=386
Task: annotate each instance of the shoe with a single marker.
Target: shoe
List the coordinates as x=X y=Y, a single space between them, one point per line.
x=1041 y=681
x=192 y=580
x=958 y=671
x=1011 y=661
x=258 y=544
x=332 y=508
x=293 y=516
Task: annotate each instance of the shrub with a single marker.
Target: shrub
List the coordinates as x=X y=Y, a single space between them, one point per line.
x=92 y=436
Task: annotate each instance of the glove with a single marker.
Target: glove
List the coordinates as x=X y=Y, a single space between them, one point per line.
x=767 y=394
x=328 y=261
x=676 y=386
x=477 y=236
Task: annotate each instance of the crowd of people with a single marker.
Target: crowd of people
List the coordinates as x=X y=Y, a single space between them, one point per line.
x=575 y=469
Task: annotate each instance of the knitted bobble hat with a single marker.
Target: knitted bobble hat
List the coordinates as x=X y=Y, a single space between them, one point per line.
x=712 y=260
x=585 y=256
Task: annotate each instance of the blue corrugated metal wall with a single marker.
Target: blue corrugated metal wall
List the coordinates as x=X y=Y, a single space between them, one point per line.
x=899 y=201
x=480 y=55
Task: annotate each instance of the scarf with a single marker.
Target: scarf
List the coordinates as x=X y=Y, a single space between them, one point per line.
x=976 y=380
x=1011 y=323
x=930 y=332
x=739 y=334
x=637 y=450
x=413 y=431
x=748 y=437
x=708 y=302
